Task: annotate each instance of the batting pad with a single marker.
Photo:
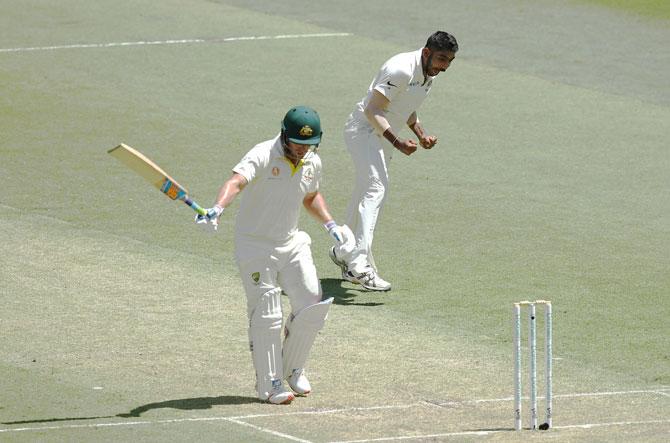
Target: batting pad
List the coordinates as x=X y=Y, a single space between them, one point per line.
x=265 y=325
x=301 y=330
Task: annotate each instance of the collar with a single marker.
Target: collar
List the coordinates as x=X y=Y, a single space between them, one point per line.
x=278 y=151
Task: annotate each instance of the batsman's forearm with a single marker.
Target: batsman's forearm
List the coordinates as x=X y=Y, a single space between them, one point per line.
x=226 y=195
x=316 y=206
x=229 y=190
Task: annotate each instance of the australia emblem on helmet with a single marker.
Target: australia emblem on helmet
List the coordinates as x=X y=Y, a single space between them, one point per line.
x=306 y=131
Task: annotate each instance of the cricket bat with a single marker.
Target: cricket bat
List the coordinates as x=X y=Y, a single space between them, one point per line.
x=143 y=166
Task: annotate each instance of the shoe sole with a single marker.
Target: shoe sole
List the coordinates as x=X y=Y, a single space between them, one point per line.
x=355 y=281
x=297 y=392
x=372 y=288
x=285 y=402
x=375 y=289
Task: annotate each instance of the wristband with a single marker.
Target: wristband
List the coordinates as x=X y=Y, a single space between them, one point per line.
x=329 y=225
x=390 y=136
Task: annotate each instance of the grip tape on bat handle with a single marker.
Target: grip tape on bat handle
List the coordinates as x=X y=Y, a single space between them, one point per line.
x=196 y=207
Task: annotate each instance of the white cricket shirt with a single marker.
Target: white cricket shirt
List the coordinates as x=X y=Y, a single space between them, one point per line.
x=401 y=81
x=271 y=201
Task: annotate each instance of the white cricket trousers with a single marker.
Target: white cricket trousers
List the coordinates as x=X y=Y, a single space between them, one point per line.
x=266 y=270
x=289 y=267
x=370 y=159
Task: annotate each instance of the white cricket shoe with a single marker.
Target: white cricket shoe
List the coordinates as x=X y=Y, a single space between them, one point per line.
x=299 y=383
x=370 y=280
x=349 y=276
x=279 y=394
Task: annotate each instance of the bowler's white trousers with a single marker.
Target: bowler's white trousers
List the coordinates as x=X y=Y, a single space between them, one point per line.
x=371 y=158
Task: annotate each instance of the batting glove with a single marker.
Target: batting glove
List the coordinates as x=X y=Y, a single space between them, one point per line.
x=210 y=221
x=335 y=231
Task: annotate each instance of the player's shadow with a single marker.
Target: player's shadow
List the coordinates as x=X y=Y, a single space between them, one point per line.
x=52 y=420
x=187 y=404
x=335 y=287
x=190 y=404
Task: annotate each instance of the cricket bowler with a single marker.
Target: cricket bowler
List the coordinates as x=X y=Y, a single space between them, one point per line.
x=372 y=135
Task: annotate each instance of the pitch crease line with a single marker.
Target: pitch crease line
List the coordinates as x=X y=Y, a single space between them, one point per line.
x=174 y=42
x=574 y=395
x=268 y=431
x=327 y=411
x=615 y=423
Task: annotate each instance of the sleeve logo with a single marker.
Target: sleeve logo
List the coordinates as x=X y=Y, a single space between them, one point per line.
x=308 y=175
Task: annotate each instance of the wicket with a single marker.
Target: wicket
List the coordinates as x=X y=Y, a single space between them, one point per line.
x=532 y=344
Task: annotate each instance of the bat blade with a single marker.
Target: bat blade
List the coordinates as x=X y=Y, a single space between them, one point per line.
x=154 y=174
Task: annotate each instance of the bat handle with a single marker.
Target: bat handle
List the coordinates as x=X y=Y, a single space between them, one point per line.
x=196 y=207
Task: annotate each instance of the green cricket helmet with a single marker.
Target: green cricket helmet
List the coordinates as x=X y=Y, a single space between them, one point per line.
x=302 y=125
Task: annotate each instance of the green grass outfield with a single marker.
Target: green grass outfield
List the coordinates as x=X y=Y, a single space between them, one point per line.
x=658 y=9
x=121 y=321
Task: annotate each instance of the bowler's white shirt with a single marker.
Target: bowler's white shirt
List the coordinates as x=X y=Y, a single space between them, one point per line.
x=401 y=81
x=271 y=201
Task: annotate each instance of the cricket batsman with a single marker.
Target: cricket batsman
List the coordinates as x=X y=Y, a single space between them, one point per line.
x=273 y=255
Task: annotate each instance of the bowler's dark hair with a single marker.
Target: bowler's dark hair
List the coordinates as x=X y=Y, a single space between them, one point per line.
x=442 y=41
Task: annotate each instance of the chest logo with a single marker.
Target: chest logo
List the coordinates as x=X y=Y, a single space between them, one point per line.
x=275 y=171
x=306 y=131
